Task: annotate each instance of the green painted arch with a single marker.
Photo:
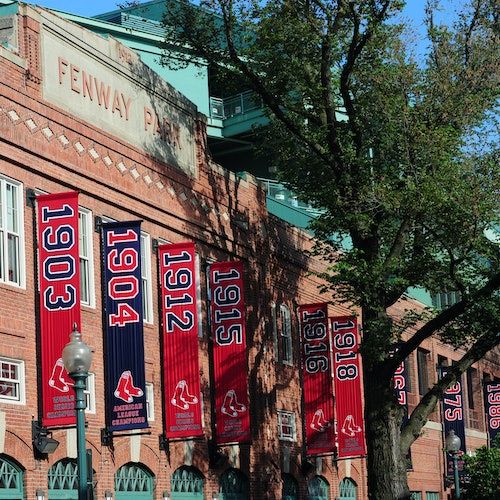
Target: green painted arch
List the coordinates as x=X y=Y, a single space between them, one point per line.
x=290 y=487
x=63 y=480
x=234 y=485
x=134 y=481
x=318 y=489
x=347 y=489
x=11 y=479
x=186 y=483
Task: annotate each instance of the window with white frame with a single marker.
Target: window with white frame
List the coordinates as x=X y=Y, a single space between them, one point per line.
x=89 y=392
x=286 y=335
x=11 y=232
x=87 y=294
x=12 y=386
x=150 y=401
x=147 y=290
x=286 y=426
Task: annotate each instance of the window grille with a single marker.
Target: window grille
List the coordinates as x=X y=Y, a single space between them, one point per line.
x=147 y=291
x=186 y=480
x=11 y=480
x=87 y=295
x=318 y=489
x=286 y=426
x=431 y=495
x=135 y=480
x=234 y=485
x=347 y=489
x=416 y=495
x=290 y=487
x=89 y=392
x=63 y=477
x=444 y=300
x=423 y=371
x=11 y=232
x=12 y=386
x=150 y=401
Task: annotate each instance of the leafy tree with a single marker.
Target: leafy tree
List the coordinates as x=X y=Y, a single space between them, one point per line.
x=399 y=155
x=483 y=470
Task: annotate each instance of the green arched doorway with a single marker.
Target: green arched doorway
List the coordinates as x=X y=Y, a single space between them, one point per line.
x=134 y=481
x=347 y=489
x=11 y=479
x=187 y=483
x=234 y=485
x=63 y=480
x=318 y=489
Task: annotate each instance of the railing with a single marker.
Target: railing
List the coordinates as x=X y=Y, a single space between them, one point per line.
x=235 y=105
x=281 y=194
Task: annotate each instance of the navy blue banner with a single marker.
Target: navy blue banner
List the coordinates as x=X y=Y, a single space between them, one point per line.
x=124 y=341
x=453 y=419
x=492 y=408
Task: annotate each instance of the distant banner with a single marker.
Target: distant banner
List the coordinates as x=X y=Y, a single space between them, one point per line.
x=347 y=380
x=492 y=407
x=316 y=379
x=400 y=388
x=183 y=409
x=453 y=415
x=124 y=339
x=59 y=272
x=228 y=320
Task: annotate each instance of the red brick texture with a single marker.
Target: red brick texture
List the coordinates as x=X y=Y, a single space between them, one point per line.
x=48 y=149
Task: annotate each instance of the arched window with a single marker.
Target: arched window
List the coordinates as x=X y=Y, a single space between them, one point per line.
x=234 y=485
x=63 y=480
x=134 y=481
x=11 y=480
x=187 y=483
x=290 y=487
x=318 y=489
x=347 y=489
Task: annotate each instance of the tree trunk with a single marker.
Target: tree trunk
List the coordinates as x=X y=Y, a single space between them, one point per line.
x=387 y=476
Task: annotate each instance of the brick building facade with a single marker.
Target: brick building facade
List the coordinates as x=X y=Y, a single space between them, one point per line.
x=55 y=137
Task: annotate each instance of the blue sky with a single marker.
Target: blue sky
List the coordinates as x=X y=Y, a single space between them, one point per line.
x=413 y=12
x=414 y=8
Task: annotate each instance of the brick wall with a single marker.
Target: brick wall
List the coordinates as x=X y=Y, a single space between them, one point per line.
x=48 y=149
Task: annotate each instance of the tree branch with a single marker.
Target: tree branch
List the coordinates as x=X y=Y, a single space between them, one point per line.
x=358 y=42
x=270 y=100
x=442 y=319
x=397 y=245
x=420 y=414
x=470 y=29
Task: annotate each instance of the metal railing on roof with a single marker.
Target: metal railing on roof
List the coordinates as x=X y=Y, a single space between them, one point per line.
x=234 y=105
x=280 y=193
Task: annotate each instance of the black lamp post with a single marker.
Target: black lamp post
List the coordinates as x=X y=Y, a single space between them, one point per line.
x=77 y=358
x=452 y=444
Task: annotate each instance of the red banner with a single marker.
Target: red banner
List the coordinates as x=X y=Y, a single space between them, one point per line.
x=59 y=275
x=180 y=341
x=229 y=350
x=348 y=396
x=317 y=379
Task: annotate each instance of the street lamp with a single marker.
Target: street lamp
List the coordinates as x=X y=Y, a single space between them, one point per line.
x=77 y=358
x=452 y=444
